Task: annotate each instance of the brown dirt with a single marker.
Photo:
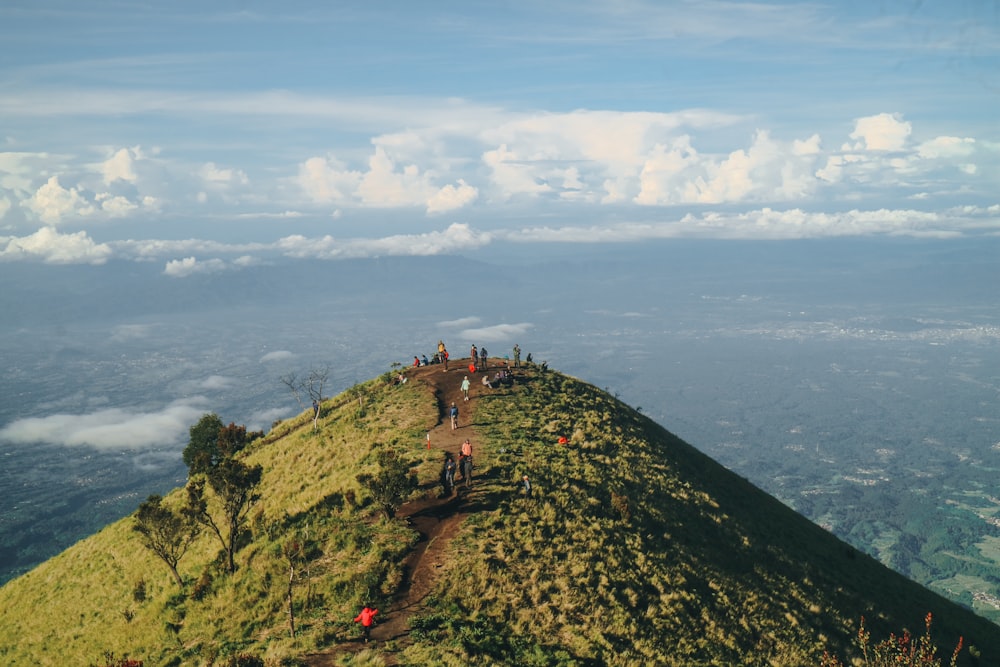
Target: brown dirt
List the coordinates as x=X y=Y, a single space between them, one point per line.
x=437 y=519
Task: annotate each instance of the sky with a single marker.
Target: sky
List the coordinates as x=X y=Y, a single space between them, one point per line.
x=207 y=137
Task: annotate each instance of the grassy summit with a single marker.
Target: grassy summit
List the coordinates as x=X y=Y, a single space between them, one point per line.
x=634 y=549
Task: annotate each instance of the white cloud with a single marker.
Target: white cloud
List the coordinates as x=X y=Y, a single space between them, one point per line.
x=120 y=166
x=51 y=247
x=327 y=180
x=52 y=202
x=213 y=175
x=496 y=333
x=455 y=238
x=4 y=207
x=882 y=132
x=277 y=355
x=461 y=322
x=115 y=206
x=450 y=197
x=946 y=147
x=109 y=429
x=182 y=268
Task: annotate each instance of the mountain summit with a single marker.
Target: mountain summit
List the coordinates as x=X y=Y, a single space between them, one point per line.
x=632 y=547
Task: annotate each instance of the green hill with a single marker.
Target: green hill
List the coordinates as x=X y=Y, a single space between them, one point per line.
x=634 y=549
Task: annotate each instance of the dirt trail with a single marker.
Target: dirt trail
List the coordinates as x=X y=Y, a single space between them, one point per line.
x=436 y=519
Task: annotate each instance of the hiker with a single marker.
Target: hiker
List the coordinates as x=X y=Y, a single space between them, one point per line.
x=517 y=356
x=527 y=486
x=416 y=361
x=466 y=463
x=423 y=360
x=466 y=448
x=465 y=387
x=367 y=619
x=484 y=359
x=474 y=355
x=454 y=416
x=449 y=473
x=443 y=354
x=486 y=381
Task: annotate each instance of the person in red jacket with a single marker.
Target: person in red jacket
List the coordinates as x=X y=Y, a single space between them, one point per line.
x=366 y=618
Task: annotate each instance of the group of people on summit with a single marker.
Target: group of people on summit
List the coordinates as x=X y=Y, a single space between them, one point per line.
x=478 y=357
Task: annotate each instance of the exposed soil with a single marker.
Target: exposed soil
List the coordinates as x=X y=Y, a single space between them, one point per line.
x=437 y=519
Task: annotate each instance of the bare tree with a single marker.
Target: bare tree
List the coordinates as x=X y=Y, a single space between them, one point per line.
x=308 y=388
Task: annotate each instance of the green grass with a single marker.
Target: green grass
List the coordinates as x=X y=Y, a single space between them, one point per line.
x=635 y=549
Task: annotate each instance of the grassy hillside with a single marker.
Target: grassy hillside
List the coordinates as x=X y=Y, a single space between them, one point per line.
x=635 y=549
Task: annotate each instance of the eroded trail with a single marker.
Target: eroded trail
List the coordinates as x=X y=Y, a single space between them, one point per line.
x=436 y=519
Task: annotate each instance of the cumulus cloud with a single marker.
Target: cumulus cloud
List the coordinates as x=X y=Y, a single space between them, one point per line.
x=52 y=247
x=216 y=176
x=496 y=332
x=882 y=132
x=109 y=429
x=768 y=223
x=189 y=266
x=277 y=355
x=52 y=202
x=455 y=238
x=946 y=147
x=120 y=166
x=451 y=197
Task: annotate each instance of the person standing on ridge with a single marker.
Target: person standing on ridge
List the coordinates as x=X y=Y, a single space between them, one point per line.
x=517 y=355
x=484 y=359
x=443 y=354
x=474 y=354
x=366 y=618
x=465 y=387
x=454 y=416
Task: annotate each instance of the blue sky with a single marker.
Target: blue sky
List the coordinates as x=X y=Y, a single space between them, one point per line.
x=211 y=136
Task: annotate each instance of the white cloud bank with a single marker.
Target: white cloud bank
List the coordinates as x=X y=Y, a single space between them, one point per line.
x=110 y=429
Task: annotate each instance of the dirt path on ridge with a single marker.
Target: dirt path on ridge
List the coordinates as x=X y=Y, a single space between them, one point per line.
x=436 y=519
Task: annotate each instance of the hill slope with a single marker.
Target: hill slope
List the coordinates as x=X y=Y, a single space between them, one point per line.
x=635 y=548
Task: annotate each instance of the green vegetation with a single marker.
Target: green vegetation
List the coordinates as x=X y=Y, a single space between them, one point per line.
x=634 y=549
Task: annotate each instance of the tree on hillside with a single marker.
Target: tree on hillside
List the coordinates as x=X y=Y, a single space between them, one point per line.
x=212 y=441
x=391 y=484
x=202 y=451
x=166 y=533
x=235 y=486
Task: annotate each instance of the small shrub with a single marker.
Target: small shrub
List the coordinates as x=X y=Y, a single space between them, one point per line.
x=139 y=591
x=244 y=660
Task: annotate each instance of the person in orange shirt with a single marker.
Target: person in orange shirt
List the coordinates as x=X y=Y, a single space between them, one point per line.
x=367 y=619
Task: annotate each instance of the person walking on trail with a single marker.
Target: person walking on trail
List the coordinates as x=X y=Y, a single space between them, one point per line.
x=454 y=416
x=466 y=448
x=474 y=354
x=527 y=486
x=517 y=355
x=449 y=473
x=367 y=619
x=484 y=359
x=465 y=387
x=466 y=463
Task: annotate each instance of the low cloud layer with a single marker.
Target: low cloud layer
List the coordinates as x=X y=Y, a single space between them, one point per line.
x=110 y=429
